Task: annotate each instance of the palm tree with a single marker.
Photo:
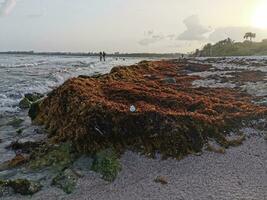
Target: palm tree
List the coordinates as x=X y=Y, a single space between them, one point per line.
x=250 y=35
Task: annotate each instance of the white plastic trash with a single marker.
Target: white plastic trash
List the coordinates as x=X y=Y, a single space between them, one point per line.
x=132 y=108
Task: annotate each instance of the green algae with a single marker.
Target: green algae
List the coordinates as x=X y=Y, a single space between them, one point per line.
x=21 y=186
x=107 y=164
x=56 y=157
x=66 y=181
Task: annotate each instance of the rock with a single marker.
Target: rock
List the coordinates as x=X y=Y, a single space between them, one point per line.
x=214 y=147
x=161 y=179
x=66 y=181
x=20 y=186
x=195 y=67
x=34 y=110
x=107 y=164
x=19 y=131
x=25 y=103
x=82 y=163
x=24 y=147
x=5 y=191
x=33 y=97
x=29 y=99
x=57 y=157
x=15 y=122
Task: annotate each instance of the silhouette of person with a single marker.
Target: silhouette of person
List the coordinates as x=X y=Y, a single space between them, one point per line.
x=104 y=56
x=100 y=56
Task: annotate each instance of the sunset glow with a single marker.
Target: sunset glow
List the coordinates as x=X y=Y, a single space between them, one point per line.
x=259 y=18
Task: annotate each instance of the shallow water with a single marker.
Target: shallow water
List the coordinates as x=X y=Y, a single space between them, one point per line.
x=20 y=74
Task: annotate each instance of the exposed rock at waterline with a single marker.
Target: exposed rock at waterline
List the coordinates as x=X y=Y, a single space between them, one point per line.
x=20 y=186
x=28 y=99
x=34 y=110
x=33 y=97
x=57 y=157
x=24 y=147
x=25 y=103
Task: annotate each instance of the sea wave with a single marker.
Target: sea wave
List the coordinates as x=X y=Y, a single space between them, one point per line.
x=27 y=74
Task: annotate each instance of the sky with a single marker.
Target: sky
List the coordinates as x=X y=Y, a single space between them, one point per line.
x=158 y=26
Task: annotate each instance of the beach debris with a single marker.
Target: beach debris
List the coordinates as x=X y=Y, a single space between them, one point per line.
x=172 y=119
x=161 y=179
x=97 y=129
x=20 y=186
x=107 y=164
x=132 y=108
x=66 y=181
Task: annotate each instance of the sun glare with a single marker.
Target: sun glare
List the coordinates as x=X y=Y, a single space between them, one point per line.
x=259 y=18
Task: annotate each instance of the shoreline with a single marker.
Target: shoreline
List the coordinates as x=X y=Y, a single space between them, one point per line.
x=148 y=170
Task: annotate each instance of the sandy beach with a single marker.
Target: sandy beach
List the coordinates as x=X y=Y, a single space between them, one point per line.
x=238 y=174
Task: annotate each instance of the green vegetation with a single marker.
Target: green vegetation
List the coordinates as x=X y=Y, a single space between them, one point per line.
x=20 y=186
x=107 y=164
x=57 y=157
x=66 y=181
x=230 y=48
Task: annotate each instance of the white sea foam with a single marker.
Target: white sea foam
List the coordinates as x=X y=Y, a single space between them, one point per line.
x=27 y=74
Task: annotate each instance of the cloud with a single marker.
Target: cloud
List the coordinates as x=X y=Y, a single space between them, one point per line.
x=235 y=33
x=7 y=6
x=171 y=36
x=194 y=31
x=34 y=16
x=150 y=32
x=152 y=39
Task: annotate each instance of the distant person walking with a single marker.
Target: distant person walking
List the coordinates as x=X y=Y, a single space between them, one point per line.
x=104 y=55
x=100 y=56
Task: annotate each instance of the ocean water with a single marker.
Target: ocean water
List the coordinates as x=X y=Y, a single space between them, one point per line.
x=20 y=74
